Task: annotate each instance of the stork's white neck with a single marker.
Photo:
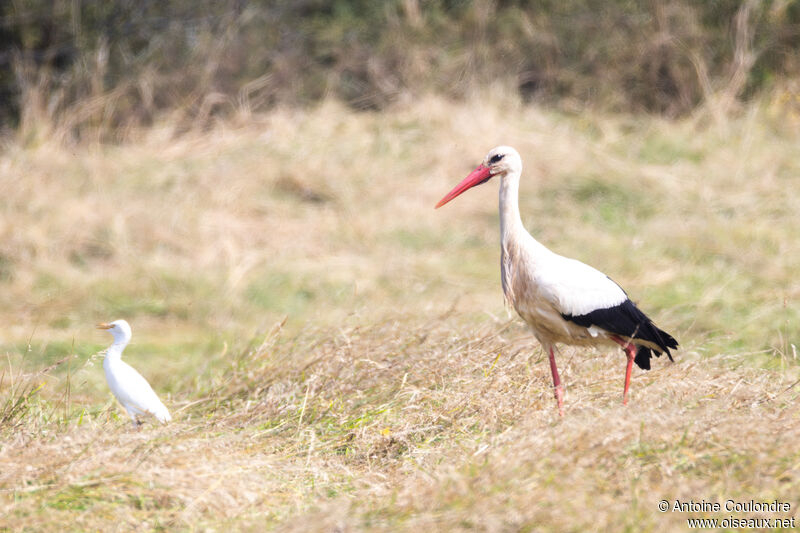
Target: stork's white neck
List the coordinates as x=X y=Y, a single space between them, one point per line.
x=512 y=232
x=510 y=221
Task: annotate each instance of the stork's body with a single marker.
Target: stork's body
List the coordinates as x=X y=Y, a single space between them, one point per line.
x=561 y=299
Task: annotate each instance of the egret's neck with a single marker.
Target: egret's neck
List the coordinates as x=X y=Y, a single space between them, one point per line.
x=114 y=352
x=510 y=221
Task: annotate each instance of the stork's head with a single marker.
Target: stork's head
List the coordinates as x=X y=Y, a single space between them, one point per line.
x=119 y=329
x=502 y=160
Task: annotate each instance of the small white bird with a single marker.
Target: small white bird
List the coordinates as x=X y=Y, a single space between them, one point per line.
x=561 y=299
x=129 y=387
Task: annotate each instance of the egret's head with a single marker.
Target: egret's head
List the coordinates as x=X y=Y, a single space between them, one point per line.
x=501 y=160
x=119 y=329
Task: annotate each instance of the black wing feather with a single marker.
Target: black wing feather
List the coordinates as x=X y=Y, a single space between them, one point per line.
x=627 y=320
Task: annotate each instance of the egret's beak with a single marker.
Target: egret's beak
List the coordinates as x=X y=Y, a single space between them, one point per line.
x=103 y=325
x=480 y=175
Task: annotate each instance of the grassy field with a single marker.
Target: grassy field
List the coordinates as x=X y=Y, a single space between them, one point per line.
x=336 y=354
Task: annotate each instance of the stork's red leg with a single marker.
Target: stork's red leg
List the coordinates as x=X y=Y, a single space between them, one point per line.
x=559 y=390
x=631 y=354
x=630 y=349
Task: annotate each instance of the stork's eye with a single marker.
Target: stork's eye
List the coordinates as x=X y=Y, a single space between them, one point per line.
x=495 y=158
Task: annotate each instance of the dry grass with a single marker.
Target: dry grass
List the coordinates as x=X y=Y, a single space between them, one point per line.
x=397 y=394
x=393 y=427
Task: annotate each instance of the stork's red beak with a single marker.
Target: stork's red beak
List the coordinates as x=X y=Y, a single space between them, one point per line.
x=476 y=177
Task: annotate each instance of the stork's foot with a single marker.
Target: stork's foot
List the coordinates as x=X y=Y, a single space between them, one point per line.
x=559 y=394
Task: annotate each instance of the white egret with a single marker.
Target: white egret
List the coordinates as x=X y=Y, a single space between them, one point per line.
x=129 y=387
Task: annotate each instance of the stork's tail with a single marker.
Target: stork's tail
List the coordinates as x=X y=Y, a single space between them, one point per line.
x=657 y=336
x=627 y=321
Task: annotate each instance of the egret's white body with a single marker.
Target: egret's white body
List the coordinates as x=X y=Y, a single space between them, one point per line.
x=561 y=299
x=128 y=386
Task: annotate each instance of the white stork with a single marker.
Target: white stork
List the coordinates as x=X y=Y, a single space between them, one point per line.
x=561 y=299
x=129 y=387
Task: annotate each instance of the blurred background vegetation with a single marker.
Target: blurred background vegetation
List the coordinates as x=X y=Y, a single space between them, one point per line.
x=106 y=67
